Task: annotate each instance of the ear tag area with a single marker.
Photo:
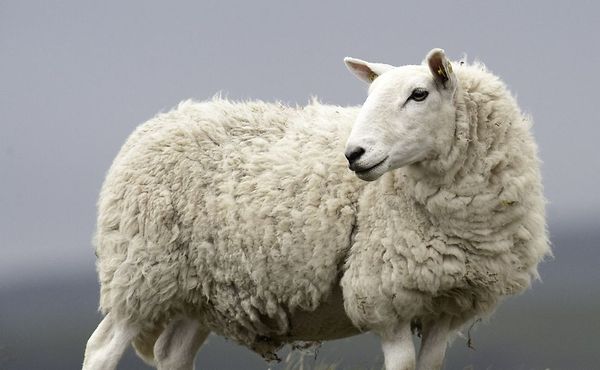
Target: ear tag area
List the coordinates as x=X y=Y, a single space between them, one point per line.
x=442 y=73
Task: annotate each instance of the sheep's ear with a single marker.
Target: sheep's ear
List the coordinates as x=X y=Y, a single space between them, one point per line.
x=441 y=68
x=366 y=71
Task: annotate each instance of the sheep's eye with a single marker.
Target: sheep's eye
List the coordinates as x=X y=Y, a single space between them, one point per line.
x=418 y=95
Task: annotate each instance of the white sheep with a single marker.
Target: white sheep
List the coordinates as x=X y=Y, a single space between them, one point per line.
x=242 y=219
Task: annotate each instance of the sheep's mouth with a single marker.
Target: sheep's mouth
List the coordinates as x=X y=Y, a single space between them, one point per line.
x=372 y=167
x=373 y=172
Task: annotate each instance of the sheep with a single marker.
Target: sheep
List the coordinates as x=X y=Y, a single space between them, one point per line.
x=243 y=219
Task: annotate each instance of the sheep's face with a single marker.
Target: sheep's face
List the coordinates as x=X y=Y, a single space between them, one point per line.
x=408 y=116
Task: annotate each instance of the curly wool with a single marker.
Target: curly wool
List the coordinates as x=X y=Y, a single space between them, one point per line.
x=239 y=212
x=243 y=214
x=454 y=234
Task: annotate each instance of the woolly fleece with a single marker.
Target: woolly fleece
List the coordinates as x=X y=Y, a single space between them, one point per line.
x=244 y=214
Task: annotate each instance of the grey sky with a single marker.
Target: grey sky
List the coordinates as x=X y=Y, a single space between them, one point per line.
x=76 y=77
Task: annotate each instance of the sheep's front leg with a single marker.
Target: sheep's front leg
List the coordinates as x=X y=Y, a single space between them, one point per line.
x=433 y=344
x=398 y=348
x=178 y=344
x=107 y=344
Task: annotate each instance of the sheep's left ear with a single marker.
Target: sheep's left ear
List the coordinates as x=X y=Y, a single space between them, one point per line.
x=441 y=68
x=366 y=71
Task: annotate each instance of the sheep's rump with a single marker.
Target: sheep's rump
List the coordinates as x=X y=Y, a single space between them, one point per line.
x=237 y=213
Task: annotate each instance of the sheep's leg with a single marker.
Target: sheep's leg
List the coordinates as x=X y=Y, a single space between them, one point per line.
x=398 y=348
x=433 y=344
x=107 y=344
x=178 y=344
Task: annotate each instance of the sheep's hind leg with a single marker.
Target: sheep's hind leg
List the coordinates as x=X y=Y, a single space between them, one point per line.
x=178 y=344
x=398 y=347
x=433 y=344
x=108 y=343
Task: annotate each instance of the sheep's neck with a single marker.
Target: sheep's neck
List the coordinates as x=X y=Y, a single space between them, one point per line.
x=462 y=190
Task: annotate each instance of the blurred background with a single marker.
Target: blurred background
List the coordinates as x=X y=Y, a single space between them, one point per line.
x=76 y=77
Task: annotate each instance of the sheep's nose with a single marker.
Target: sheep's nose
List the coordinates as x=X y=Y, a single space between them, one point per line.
x=353 y=153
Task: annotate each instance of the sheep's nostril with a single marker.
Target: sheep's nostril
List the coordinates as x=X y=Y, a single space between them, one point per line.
x=354 y=153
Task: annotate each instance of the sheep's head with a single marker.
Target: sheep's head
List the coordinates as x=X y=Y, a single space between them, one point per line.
x=408 y=117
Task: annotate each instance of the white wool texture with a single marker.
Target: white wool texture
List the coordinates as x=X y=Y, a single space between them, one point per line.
x=242 y=214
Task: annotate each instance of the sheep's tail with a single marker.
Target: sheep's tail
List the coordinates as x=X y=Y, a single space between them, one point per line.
x=144 y=342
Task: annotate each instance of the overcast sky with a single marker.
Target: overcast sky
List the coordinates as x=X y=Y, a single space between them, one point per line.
x=76 y=77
